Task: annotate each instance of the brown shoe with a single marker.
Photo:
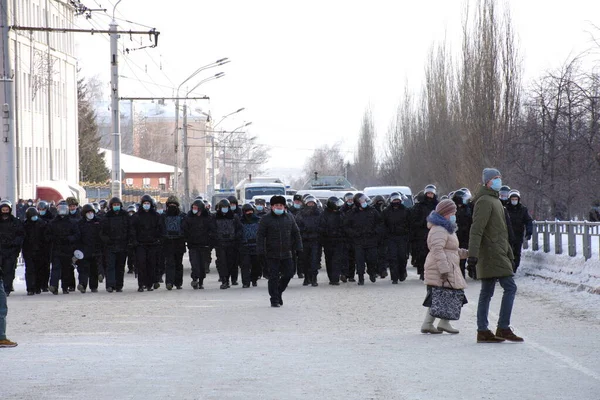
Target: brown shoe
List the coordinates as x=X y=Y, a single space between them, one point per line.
x=7 y=343
x=509 y=335
x=488 y=337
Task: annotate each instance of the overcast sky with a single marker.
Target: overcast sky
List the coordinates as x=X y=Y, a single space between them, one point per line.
x=305 y=71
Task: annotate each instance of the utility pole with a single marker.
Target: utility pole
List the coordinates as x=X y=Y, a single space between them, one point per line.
x=8 y=147
x=115 y=112
x=212 y=175
x=186 y=169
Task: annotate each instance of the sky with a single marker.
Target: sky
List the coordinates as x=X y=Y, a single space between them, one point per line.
x=305 y=72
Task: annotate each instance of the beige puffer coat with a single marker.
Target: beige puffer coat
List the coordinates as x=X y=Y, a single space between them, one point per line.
x=444 y=256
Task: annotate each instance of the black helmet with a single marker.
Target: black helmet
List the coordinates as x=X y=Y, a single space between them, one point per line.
x=334 y=203
x=223 y=203
x=310 y=198
x=102 y=203
x=378 y=199
x=297 y=197
x=96 y=206
x=199 y=203
x=397 y=196
x=87 y=208
x=260 y=201
x=458 y=195
x=172 y=199
x=358 y=197
x=247 y=207
x=348 y=196
x=62 y=209
x=514 y=193
x=132 y=207
x=115 y=200
x=42 y=205
x=31 y=211
x=147 y=198
x=232 y=200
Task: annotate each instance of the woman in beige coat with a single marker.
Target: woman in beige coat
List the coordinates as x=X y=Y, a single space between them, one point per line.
x=442 y=266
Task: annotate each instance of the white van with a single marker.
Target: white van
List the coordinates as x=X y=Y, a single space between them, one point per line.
x=259 y=186
x=386 y=191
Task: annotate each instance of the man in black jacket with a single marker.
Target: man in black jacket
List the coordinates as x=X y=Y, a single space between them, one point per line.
x=278 y=236
x=227 y=239
x=35 y=251
x=173 y=243
x=522 y=224
x=11 y=240
x=396 y=221
x=44 y=213
x=332 y=238
x=363 y=225
x=199 y=230
x=418 y=227
x=308 y=223
x=91 y=247
x=114 y=233
x=464 y=219
x=349 y=263
x=145 y=233
x=64 y=235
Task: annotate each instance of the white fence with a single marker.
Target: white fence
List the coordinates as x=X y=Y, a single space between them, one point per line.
x=569 y=236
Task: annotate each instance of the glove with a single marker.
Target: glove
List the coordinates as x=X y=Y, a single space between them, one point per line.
x=471 y=267
x=528 y=237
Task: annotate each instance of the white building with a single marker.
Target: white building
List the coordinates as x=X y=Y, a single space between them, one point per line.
x=44 y=71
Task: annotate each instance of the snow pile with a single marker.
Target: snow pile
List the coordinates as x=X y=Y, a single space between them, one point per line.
x=560 y=268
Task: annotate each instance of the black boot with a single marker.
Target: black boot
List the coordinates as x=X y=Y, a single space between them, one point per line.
x=306 y=282
x=314 y=281
x=361 y=280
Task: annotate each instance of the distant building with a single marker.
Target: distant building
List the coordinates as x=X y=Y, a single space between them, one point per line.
x=141 y=173
x=44 y=72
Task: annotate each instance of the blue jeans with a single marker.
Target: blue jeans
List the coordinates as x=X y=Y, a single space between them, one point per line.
x=3 y=311
x=508 y=298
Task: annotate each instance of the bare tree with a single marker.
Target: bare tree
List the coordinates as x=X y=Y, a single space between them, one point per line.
x=365 y=161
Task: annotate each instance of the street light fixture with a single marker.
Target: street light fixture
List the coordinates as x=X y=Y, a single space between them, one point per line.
x=225 y=146
x=219 y=62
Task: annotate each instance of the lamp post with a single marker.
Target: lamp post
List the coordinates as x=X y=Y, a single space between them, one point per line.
x=225 y=147
x=213 y=182
x=186 y=169
x=219 y=62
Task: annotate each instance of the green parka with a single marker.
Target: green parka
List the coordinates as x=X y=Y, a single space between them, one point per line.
x=488 y=237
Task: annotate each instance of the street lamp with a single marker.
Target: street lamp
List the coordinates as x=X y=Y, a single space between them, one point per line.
x=219 y=62
x=186 y=168
x=225 y=147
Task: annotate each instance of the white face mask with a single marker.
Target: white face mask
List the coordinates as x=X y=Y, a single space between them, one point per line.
x=514 y=202
x=89 y=215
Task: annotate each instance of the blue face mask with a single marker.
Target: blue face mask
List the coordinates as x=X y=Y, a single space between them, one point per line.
x=42 y=212
x=364 y=205
x=259 y=208
x=72 y=212
x=160 y=211
x=233 y=207
x=514 y=202
x=496 y=184
x=224 y=210
x=465 y=200
x=278 y=212
x=146 y=207
x=452 y=219
x=297 y=206
x=34 y=218
x=116 y=208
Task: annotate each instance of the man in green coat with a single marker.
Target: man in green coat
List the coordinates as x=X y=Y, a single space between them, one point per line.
x=491 y=254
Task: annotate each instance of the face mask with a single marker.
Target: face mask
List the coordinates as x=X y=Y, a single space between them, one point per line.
x=233 y=207
x=194 y=211
x=452 y=219
x=278 y=212
x=34 y=218
x=249 y=215
x=30 y=204
x=496 y=184
x=72 y=212
x=395 y=205
x=116 y=208
x=260 y=208
x=297 y=206
x=514 y=202
x=62 y=213
x=42 y=212
x=364 y=205
x=465 y=200
x=89 y=215
x=160 y=211
x=146 y=207
x=224 y=210
x=349 y=202
x=131 y=213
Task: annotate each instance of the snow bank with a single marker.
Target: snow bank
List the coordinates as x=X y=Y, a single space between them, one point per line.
x=560 y=268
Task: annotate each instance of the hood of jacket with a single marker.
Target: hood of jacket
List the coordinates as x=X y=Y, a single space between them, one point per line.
x=436 y=219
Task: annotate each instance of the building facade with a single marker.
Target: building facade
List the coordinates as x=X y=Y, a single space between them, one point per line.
x=44 y=79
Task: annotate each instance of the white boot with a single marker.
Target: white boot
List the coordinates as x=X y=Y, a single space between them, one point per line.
x=445 y=326
x=427 y=326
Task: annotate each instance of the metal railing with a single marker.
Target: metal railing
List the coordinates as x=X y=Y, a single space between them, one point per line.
x=572 y=229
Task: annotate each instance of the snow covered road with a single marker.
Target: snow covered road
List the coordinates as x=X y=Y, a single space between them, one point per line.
x=345 y=342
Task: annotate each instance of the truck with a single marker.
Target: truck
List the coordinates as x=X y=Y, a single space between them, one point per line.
x=258 y=186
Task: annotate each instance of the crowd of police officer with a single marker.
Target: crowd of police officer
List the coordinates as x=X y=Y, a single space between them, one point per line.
x=357 y=235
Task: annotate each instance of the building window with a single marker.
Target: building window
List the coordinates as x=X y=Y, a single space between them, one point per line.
x=129 y=181
x=146 y=182
x=162 y=184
